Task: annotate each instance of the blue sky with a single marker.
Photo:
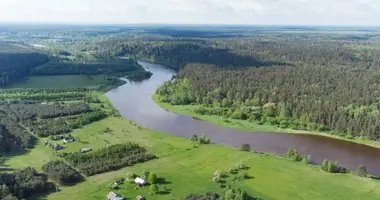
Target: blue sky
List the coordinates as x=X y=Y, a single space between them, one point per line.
x=279 y=12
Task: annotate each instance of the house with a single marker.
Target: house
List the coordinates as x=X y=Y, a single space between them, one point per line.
x=139 y=181
x=68 y=139
x=57 y=147
x=114 y=196
x=85 y=150
x=44 y=103
x=140 y=198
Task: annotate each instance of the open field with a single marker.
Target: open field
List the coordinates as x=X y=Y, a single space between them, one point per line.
x=245 y=125
x=188 y=169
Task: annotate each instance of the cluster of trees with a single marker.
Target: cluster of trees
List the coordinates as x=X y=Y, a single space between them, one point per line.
x=60 y=66
x=10 y=95
x=21 y=112
x=13 y=137
x=61 y=172
x=295 y=156
x=332 y=167
x=324 y=98
x=17 y=62
x=23 y=184
x=109 y=158
x=228 y=194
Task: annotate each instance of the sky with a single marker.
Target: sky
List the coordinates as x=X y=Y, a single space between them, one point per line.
x=260 y=12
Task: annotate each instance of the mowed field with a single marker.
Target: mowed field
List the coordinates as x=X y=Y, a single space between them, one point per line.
x=185 y=167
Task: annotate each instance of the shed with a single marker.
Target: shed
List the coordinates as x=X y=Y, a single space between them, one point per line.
x=114 y=196
x=57 y=147
x=139 y=181
x=140 y=198
x=85 y=150
x=68 y=139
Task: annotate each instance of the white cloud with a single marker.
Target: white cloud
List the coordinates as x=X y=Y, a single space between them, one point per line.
x=325 y=12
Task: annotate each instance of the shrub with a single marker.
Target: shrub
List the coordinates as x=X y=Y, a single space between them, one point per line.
x=362 y=171
x=332 y=167
x=152 y=178
x=153 y=188
x=194 y=138
x=245 y=147
x=293 y=155
x=241 y=165
x=204 y=140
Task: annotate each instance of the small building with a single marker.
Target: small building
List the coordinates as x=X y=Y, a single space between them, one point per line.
x=85 y=150
x=139 y=181
x=68 y=139
x=114 y=196
x=57 y=147
x=140 y=197
x=44 y=103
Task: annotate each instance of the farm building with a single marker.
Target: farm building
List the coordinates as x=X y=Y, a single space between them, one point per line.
x=68 y=139
x=139 y=181
x=57 y=147
x=85 y=150
x=140 y=198
x=114 y=196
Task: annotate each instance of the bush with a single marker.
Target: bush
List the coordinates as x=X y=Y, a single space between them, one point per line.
x=332 y=167
x=204 y=140
x=245 y=147
x=152 y=178
x=241 y=165
x=153 y=188
x=293 y=155
x=194 y=138
x=362 y=171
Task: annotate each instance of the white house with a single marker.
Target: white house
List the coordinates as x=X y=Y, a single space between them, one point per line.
x=114 y=196
x=139 y=181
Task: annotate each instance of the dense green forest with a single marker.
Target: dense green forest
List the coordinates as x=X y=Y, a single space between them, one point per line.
x=16 y=62
x=324 y=85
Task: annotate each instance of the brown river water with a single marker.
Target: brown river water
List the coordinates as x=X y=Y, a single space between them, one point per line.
x=134 y=102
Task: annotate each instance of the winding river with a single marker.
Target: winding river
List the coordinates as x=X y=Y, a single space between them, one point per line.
x=134 y=102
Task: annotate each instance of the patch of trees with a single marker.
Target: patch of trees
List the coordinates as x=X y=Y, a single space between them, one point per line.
x=61 y=172
x=228 y=194
x=16 y=63
x=23 y=184
x=13 y=137
x=21 y=112
x=332 y=167
x=10 y=95
x=59 y=66
x=109 y=158
x=343 y=100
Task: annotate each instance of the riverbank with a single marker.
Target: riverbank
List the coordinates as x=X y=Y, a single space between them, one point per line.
x=244 y=125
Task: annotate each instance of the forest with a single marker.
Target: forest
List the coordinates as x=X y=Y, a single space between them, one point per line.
x=61 y=172
x=317 y=85
x=109 y=158
x=17 y=62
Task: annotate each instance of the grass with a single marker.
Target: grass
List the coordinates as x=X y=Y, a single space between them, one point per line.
x=189 y=169
x=64 y=81
x=245 y=125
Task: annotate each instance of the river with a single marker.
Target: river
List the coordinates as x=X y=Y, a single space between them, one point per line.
x=134 y=102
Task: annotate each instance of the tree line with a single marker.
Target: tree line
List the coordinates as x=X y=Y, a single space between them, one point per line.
x=109 y=158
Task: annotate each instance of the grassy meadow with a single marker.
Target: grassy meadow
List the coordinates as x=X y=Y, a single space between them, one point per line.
x=185 y=167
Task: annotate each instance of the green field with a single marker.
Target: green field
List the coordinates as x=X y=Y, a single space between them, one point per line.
x=64 y=81
x=189 y=169
x=245 y=125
